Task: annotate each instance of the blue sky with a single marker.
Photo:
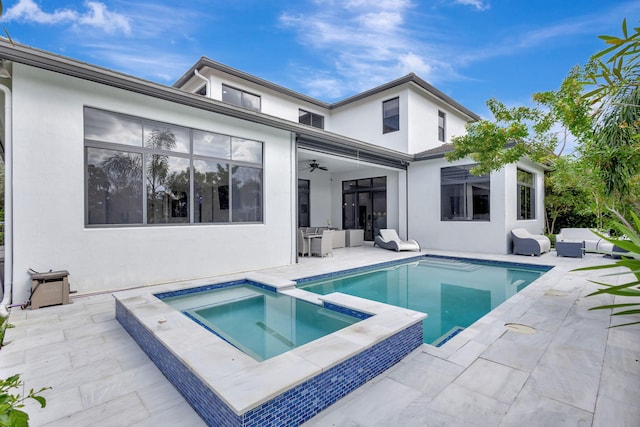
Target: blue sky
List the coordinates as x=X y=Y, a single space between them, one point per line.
x=330 y=49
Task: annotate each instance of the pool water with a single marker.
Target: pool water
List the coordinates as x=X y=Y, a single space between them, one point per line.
x=453 y=293
x=261 y=323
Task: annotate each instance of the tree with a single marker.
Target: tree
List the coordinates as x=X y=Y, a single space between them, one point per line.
x=527 y=131
x=614 y=70
x=571 y=198
x=614 y=152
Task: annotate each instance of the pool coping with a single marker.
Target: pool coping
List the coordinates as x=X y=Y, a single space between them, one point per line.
x=241 y=382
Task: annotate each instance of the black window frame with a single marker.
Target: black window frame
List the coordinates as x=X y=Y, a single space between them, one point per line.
x=463 y=196
x=179 y=205
x=526 y=195
x=391 y=122
x=442 y=126
x=315 y=120
x=244 y=94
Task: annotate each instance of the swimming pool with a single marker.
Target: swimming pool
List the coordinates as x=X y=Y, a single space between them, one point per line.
x=453 y=292
x=261 y=323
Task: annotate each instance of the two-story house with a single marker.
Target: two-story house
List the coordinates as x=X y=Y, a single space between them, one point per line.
x=124 y=182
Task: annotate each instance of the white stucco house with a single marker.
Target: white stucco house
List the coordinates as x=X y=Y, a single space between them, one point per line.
x=124 y=182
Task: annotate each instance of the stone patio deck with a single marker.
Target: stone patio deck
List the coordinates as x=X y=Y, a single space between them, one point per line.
x=573 y=371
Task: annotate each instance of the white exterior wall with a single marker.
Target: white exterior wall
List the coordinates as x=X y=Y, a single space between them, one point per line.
x=424 y=213
x=363 y=120
x=319 y=197
x=49 y=203
x=272 y=102
x=423 y=122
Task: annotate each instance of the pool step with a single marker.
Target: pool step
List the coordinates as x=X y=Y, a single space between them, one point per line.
x=201 y=300
x=446 y=337
x=449 y=264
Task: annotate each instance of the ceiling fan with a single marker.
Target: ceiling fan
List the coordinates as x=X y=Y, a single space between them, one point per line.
x=313 y=165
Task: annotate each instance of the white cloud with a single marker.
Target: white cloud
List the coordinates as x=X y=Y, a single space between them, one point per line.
x=478 y=4
x=97 y=16
x=368 y=42
x=27 y=10
x=141 y=60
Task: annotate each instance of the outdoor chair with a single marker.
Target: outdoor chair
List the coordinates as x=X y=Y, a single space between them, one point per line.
x=525 y=243
x=389 y=239
x=323 y=246
x=303 y=244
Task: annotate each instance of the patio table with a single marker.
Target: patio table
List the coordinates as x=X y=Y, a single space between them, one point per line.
x=570 y=249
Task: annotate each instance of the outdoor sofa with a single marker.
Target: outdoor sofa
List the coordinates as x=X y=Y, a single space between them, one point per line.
x=592 y=242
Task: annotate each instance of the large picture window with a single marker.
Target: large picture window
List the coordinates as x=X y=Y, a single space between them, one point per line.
x=526 y=195
x=463 y=196
x=145 y=172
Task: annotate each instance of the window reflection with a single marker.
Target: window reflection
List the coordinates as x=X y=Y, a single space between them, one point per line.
x=246 y=194
x=211 y=144
x=114 y=187
x=391 y=115
x=162 y=136
x=464 y=196
x=240 y=97
x=211 y=191
x=167 y=189
x=109 y=127
x=158 y=169
x=246 y=150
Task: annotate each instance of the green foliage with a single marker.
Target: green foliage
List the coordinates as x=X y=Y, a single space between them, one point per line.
x=614 y=152
x=573 y=198
x=4 y=325
x=631 y=264
x=11 y=404
x=518 y=132
x=615 y=69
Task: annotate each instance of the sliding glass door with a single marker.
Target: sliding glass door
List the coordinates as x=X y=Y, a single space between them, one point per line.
x=364 y=205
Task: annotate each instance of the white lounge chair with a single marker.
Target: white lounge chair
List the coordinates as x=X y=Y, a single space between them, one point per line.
x=525 y=243
x=389 y=239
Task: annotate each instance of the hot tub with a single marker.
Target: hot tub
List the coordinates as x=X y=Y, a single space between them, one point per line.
x=228 y=387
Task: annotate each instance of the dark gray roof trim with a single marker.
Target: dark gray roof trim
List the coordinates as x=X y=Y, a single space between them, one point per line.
x=434 y=153
x=59 y=64
x=409 y=78
x=206 y=62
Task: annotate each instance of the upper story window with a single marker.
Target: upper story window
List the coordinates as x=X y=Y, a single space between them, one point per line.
x=140 y=172
x=391 y=115
x=240 y=97
x=463 y=196
x=442 y=122
x=202 y=91
x=526 y=195
x=311 y=119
